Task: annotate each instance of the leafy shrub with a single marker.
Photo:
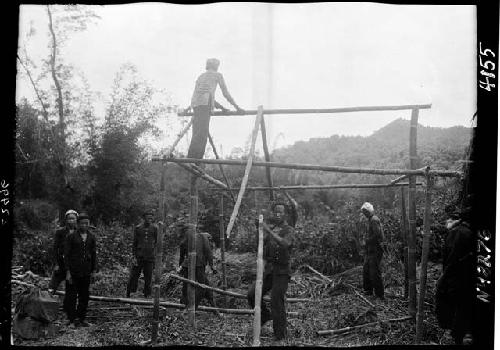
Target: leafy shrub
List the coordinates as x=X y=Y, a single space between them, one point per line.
x=114 y=246
x=33 y=251
x=34 y=214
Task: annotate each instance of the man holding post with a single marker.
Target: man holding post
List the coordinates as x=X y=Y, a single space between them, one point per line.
x=278 y=241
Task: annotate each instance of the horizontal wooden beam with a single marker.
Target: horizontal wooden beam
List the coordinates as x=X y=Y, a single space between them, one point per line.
x=168 y=304
x=337 y=169
x=316 y=110
x=227 y=292
x=353 y=328
x=321 y=187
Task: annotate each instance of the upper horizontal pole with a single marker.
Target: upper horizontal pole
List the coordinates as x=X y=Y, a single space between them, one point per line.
x=338 y=169
x=316 y=110
x=322 y=187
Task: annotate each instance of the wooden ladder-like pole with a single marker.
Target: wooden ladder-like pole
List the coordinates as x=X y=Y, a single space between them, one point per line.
x=425 y=256
x=193 y=220
x=258 y=285
x=404 y=239
x=223 y=246
x=412 y=268
x=159 y=257
x=161 y=231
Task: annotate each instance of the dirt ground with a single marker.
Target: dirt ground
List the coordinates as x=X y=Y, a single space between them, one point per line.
x=331 y=306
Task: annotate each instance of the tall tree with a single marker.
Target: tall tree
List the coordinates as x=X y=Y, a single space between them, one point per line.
x=63 y=21
x=122 y=179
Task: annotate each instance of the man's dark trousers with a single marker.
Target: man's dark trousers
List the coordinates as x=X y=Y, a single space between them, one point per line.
x=78 y=289
x=200 y=277
x=201 y=122
x=56 y=278
x=277 y=284
x=147 y=267
x=372 y=277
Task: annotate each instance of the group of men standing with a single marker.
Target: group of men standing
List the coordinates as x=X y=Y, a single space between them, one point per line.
x=75 y=262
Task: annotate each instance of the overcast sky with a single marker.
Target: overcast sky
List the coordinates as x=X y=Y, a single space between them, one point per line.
x=286 y=56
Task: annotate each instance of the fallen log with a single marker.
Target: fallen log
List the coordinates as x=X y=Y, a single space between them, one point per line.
x=171 y=305
x=353 y=328
x=204 y=286
x=227 y=292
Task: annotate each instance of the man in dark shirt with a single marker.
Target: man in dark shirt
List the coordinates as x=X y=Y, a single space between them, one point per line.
x=80 y=261
x=204 y=257
x=59 y=273
x=455 y=288
x=277 y=270
x=372 y=277
x=145 y=237
x=203 y=102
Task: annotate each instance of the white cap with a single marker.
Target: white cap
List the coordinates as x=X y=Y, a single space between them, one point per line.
x=367 y=206
x=71 y=211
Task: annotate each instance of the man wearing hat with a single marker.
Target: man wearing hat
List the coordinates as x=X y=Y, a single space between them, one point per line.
x=203 y=102
x=372 y=277
x=145 y=237
x=59 y=272
x=80 y=261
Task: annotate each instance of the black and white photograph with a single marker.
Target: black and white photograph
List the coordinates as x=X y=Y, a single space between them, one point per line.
x=252 y=174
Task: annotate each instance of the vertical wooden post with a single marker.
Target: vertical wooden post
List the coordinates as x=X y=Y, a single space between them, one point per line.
x=193 y=219
x=258 y=285
x=412 y=268
x=425 y=255
x=223 y=246
x=159 y=256
x=159 y=241
x=267 y=157
x=404 y=239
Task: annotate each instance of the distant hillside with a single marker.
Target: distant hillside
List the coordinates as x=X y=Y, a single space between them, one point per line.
x=441 y=148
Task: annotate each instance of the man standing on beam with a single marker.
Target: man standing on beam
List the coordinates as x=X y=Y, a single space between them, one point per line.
x=203 y=102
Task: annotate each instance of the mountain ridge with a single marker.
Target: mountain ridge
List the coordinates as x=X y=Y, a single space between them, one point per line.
x=386 y=147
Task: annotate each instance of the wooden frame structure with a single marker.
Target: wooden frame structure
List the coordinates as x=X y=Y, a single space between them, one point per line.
x=410 y=174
